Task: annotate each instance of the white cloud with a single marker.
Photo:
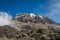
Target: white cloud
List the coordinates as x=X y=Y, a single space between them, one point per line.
x=6 y=19
x=54 y=11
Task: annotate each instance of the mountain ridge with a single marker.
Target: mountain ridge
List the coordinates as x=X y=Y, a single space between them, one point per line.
x=31 y=27
x=36 y=17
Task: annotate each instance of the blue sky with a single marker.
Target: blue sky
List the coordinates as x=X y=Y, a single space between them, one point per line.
x=42 y=7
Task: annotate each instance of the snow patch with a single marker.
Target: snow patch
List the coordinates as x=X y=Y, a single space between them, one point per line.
x=32 y=15
x=41 y=17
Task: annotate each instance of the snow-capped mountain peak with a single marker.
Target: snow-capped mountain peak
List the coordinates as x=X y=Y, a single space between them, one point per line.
x=33 y=18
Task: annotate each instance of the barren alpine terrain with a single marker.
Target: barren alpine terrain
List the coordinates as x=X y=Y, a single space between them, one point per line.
x=31 y=27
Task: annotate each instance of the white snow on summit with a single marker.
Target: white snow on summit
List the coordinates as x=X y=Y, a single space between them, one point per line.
x=32 y=15
x=41 y=17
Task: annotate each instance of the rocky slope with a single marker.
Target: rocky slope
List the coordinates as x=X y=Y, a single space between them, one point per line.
x=33 y=18
x=32 y=27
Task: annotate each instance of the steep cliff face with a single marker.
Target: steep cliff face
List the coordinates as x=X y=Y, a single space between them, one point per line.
x=32 y=27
